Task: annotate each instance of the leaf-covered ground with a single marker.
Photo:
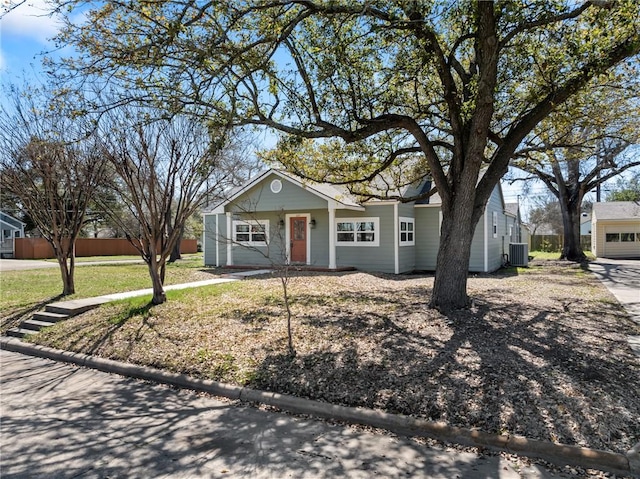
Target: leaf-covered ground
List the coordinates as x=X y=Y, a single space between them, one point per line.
x=542 y=353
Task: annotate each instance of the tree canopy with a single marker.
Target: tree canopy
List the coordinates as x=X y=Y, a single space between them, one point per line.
x=51 y=168
x=584 y=144
x=445 y=89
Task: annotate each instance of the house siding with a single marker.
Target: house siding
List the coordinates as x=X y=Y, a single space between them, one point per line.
x=261 y=198
x=476 y=258
x=210 y=241
x=319 y=238
x=370 y=258
x=406 y=254
x=496 y=247
x=427 y=237
x=619 y=249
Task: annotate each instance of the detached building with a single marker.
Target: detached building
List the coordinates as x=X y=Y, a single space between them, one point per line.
x=615 y=229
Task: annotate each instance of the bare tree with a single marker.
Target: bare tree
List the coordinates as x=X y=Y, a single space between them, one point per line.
x=275 y=253
x=165 y=171
x=52 y=174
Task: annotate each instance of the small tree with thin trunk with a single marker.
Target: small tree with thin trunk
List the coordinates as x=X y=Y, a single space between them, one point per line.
x=51 y=174
x=275 y=252
x=165 y=171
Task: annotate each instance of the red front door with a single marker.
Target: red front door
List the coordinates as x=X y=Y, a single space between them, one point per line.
x=298 y=243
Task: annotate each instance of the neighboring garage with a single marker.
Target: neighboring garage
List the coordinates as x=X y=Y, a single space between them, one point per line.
x=615 y=229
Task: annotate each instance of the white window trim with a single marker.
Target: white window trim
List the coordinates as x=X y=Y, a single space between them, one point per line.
x=355 y=242
x=404 y=219
x=263 y=223
x=495 y=224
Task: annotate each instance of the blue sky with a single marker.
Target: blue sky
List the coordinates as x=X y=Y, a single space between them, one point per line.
x=25 y=34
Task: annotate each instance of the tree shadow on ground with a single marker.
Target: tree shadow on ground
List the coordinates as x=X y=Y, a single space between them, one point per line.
x=97 y=425
x=497 y=367
x=89 y=336
x=15 y=317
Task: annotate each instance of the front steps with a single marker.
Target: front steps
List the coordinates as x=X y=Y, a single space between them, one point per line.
x=53 y=313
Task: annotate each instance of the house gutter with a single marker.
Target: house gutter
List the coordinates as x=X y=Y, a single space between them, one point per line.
x=486 y=240
x=396 y=240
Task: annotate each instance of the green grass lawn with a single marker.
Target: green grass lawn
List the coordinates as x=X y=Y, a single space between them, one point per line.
x=546 y=255
x=25 y=289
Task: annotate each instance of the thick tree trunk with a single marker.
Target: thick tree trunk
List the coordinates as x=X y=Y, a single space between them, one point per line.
x=450 y=285
x=572 y=247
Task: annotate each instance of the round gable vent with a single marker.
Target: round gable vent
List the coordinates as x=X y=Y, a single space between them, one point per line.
x=276 y=186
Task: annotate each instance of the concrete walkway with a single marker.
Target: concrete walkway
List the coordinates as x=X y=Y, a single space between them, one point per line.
x=622 y=279
x=62 y=421
x=25 y=264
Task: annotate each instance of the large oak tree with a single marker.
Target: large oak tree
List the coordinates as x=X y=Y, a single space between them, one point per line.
x=582 y=145
x=442 y=88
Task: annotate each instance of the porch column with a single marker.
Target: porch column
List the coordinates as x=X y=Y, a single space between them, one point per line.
x=229 y=240
x=217 y=237
x=332 y=237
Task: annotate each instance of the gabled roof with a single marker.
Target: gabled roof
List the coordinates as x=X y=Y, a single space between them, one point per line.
x=323 y=190
x=617 y=210
x=426 y=188
x=11 y=222
x=512 y=209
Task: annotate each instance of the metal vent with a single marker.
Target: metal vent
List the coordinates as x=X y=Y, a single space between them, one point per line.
x=519 y=254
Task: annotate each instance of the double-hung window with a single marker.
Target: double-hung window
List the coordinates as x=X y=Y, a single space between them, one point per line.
x=495 y=224
x=407 y=231
x=251 y=233
x=358 y=232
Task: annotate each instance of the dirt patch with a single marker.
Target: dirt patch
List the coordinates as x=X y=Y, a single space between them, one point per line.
x=542 y=353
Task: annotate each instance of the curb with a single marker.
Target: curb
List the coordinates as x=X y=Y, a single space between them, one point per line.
x=558 y=454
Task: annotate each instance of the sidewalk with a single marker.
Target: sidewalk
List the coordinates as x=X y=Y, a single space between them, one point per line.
x=63 y=421
x=404 y=426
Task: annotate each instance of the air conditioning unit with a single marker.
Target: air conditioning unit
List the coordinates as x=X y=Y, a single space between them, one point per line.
x=519 y=254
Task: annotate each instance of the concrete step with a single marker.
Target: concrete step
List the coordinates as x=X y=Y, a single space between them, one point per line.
x=50 y=317
x=75 y=306
x=35 y=324
x=19 y=332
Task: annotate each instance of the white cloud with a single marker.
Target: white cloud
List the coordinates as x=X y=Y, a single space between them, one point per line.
x=30 y=19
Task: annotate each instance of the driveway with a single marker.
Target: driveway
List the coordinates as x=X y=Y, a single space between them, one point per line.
x=64 y=421
x=622 y=279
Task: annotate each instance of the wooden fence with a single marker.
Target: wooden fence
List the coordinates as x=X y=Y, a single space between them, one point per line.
x=553 y=243
x=39 y=248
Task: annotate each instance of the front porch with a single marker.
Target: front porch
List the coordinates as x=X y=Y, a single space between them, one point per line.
x=295 y=267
